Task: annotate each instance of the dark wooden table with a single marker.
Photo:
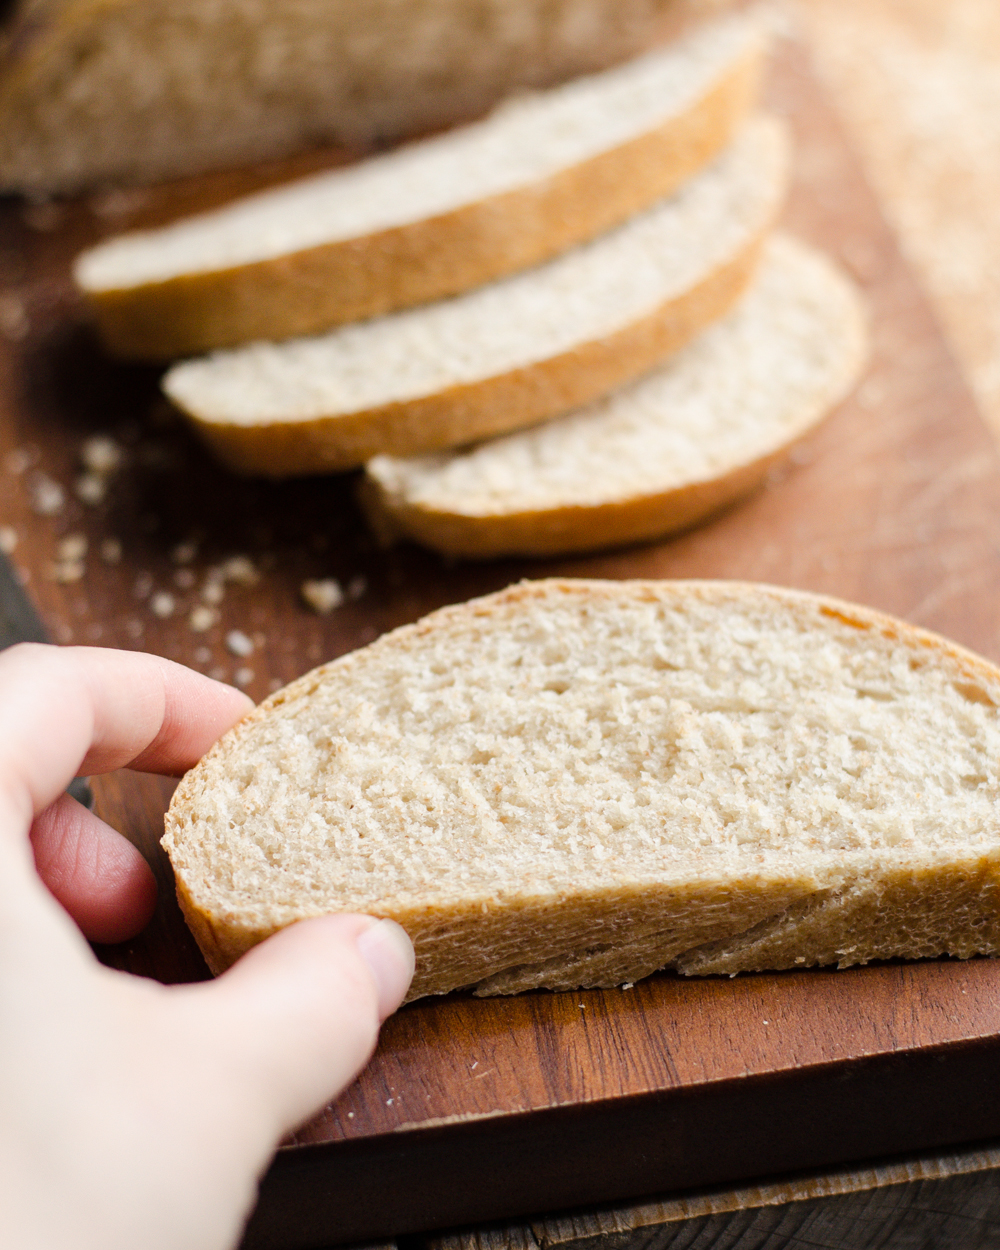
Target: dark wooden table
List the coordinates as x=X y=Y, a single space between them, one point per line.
x=476 y=1110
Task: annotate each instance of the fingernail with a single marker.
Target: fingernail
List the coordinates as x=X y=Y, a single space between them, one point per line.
x=388 y=951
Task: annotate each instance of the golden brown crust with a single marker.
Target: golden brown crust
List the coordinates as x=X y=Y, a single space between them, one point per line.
x=510 y=401
x=312 y=290
x=888 y=915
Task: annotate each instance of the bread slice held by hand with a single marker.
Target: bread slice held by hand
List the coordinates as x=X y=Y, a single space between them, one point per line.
x=432 y=219
x=654 y=457
x=506 y=355
x=576 y=783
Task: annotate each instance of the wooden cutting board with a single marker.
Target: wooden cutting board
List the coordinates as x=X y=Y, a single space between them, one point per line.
x=474 y=1110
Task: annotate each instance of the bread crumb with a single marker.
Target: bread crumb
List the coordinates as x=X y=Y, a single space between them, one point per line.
x=184 y=579
x=134 y=628
x=73 y=547
x=111 y=551
x=19 y=459
x=322 y=595
x=101 y=454
x=91 y=489
x=184 y=553
x=67 y=571
x=202 y=618
x=218 y=673
x=14 y=323
x=143 y=585
x=162 y=604
x=274 y=684
x=239 y=644
x=243 y=676
x=628 y=985
x=240 y=569
x=8 y=539
x=202 y=655
x=213 y=591
x=47 y=497
x=356 y=587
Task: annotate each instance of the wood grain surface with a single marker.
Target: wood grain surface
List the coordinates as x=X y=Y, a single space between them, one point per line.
x=471 y=1109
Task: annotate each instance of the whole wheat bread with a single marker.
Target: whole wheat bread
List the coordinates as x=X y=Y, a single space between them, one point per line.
x=657 y=456
x=506 y=355
x=430 y=219
x=98 y=91
x=576 y=783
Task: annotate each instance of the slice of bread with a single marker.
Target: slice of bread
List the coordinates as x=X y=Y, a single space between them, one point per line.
x=658 y=455
x=506 y=355
x=439 y=217
x=577 y=783
x=98 y=91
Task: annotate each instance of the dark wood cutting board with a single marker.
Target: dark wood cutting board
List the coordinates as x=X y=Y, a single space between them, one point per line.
x=471 y=1109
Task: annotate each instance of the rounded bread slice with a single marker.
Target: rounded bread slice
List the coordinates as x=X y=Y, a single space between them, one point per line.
x=432 y=219
x=504 y=356
x=654 y=457
x=577 y=783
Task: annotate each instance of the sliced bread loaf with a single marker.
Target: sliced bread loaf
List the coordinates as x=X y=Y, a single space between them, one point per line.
x=658 y=455
x=432 y=219
x=93 y=91
x=506 y=355
x=576 y=783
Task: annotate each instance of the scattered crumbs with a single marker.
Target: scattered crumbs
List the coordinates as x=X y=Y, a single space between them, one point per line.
x=111 y=551
x=8 y=539
x=202 y=655
x=800 y=959
x=91 y=489
x=95 y=631
x=184 y=579
x=101 y=454
x=765 y=1022
x=243 y=676
x=14 y=323
x=64 y=632
x=134 y=628
x=72 y=547
x=213 y=590
x=218 y=673
x=323 y=595
x=202 y=618
x=350 y=1115
x=162 y=604
x=47 y=496
x=473 y=1067
x=143 y=585
x=274 y=685
x=356 y=587
x=240 y=569
x=629 y=985
x=67 y=571
x=184 y=553
x=389 y=1102
x=582 y=1006
x=239 y=644
x=19 y=459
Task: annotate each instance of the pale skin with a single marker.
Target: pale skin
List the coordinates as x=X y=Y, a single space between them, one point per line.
x=134 y=1114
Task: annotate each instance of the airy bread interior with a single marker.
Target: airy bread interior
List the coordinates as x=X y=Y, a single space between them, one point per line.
x=746 y=388
x=577 y=783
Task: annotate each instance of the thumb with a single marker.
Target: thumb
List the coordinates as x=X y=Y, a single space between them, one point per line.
x=298 y=1015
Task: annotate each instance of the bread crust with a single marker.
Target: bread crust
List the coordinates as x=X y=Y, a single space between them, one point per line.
x=206 y=103
x=468 y=413
x=317 y=288
x=602 y=935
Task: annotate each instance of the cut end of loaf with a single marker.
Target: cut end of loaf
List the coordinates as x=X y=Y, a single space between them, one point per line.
x=576 y=783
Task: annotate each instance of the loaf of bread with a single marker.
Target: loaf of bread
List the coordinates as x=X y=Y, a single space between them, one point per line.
x=506 y=355
x=577 y=783
x=97 y=91
x=657 y=456
x=434 y=218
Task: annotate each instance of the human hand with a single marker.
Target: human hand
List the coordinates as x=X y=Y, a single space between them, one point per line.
x=134 y=1114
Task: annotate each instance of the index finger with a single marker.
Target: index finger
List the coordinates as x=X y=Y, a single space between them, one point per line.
x=66 y=710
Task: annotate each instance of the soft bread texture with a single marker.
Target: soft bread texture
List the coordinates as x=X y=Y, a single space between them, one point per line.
x=432 y=219
x=657 y=456
x=577 y=783
x=506 y=355
x=97 y=91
